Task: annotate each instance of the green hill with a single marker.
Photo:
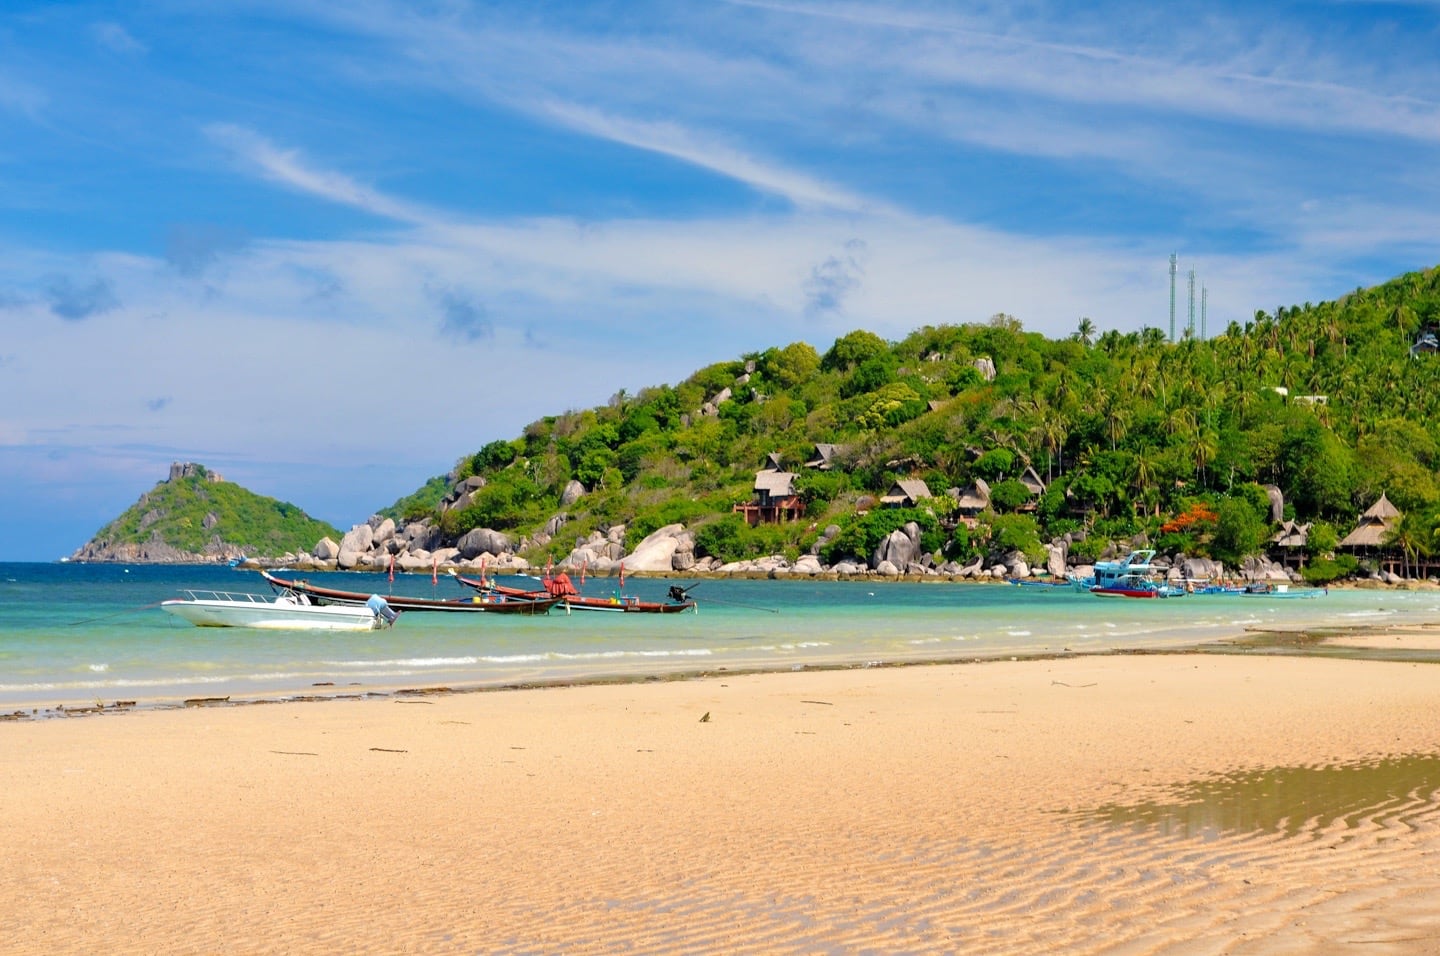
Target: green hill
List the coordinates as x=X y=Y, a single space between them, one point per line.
x=197 y=516
x=1333 y=404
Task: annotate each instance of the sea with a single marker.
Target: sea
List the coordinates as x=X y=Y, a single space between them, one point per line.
x=93 y=635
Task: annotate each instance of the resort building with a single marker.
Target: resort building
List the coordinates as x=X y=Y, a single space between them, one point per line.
x=775 y=499
x=905 y=493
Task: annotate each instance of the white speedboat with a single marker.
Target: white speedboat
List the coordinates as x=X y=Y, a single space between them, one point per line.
x=287 y=611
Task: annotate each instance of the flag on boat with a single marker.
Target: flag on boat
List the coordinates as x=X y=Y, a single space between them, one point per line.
x=392 y=569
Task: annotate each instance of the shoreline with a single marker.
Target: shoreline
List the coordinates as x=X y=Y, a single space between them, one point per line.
x=779 y=574
x=1405 y=643
x=1081 y=803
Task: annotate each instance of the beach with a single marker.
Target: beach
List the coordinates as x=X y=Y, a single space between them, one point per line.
x=1127 y=803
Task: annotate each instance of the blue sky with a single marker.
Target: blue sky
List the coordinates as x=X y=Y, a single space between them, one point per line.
x=328 y=248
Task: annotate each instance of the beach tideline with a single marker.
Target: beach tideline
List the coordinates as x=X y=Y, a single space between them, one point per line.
x=929 y=808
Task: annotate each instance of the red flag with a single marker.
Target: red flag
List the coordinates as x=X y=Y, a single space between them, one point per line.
x=482 y=570
x=392 y=569
x=434 y=570
x=548 y=562
x=622 y=574
x=583 y=563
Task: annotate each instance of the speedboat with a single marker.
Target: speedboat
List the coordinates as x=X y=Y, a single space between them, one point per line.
x=1136 y=586
x=289 y=610
x=1109 y=573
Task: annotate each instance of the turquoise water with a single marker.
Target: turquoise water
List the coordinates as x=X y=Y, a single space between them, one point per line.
x=84 y=634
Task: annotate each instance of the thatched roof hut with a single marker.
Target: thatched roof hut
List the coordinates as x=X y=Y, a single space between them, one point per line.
x=1375 y=524
x=905 y=493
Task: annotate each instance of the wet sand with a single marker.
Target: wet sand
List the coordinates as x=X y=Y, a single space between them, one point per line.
x=1118 y=804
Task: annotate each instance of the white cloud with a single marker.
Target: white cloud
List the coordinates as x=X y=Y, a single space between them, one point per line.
x=677 y=142
x=289 y=168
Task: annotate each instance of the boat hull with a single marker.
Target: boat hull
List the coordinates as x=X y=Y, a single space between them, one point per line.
x=581 y=602
x=477 y=604
x=1127 y=592
x=277 y=615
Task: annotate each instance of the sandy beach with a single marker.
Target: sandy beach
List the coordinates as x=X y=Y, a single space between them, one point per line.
x=1119 y=804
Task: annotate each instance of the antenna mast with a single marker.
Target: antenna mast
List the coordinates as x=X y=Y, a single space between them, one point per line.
x=1190 y=325
x=1172 y=296
x=1204 y=298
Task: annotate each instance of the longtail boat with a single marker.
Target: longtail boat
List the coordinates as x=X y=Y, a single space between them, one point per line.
x=561 y=588
x=495 y=604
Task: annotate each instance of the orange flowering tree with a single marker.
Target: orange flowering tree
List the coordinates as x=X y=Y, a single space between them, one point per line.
x=1190 y=531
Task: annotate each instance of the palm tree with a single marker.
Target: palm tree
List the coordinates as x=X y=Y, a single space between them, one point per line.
x=1205 y=447
x=1086 y=332
x=1414 y=537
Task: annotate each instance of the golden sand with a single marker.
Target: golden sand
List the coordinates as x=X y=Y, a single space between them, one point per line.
x=1005 y=807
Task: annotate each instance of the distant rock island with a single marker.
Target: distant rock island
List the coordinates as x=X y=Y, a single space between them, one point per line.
x=195 y=516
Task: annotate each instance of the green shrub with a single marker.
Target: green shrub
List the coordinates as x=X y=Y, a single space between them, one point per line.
x=1324 y=570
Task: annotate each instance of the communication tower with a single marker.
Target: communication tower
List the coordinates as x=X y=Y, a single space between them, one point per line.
x=1190 y=325
x=1172 y=296
x=1204 y=298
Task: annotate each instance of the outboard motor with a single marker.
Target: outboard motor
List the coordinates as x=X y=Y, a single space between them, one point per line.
x=382 y=610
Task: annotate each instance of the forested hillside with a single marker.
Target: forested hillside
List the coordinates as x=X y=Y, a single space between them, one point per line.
x=1332 y=403
x=195 y=515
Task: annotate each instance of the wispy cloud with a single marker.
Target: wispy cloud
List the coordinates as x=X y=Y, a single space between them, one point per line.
x=116 y=38
x=708 y=152
x=1279 y=78
x=17 y=96
x=289 y=168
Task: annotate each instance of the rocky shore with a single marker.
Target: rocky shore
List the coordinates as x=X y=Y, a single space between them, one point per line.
x=381 y=545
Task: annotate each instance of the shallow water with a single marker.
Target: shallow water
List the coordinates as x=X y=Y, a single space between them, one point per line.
x=87 y=634
x=1290 y=801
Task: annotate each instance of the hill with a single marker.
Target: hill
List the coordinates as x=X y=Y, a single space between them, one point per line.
x=1019 y=438
x=195 y=516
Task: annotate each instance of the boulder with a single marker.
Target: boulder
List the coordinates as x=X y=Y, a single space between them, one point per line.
x=896 y=548
x=887 y=569
x=355 y=546
x=478 y=541
x=1055 y=561
x=657 y=551
x=1199 y=569
x=573 y=492
x=808 y=564
x=384 y=529
x=326 y=550
x=421 y=535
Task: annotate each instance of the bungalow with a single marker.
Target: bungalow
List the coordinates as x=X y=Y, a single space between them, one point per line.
x=1290 y=542
x=970 y=502
x=1375 y=524
x=1031 y=480
x=905 y=493
x=823 y=457
x=775 y=499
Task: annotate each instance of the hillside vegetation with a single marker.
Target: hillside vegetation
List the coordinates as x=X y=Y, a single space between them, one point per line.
x=1132 y=433
x=199 y=515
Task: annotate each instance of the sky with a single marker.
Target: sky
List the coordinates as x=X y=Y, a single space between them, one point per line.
x=329 y=248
